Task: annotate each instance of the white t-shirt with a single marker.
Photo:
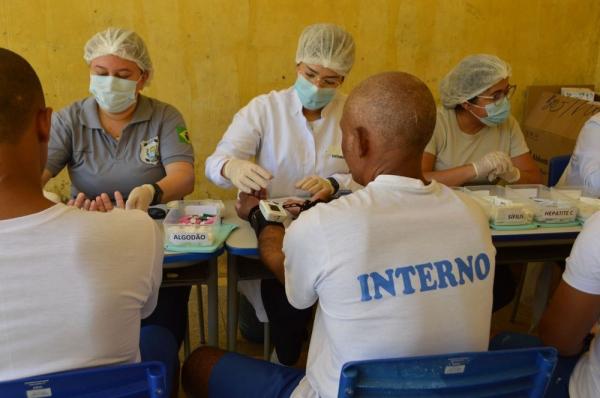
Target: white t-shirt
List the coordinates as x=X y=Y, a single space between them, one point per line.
x=74 y=288
x=384 y=264
x=273 y=128
x=452 y=147
x=583 y=273
x=584 y=168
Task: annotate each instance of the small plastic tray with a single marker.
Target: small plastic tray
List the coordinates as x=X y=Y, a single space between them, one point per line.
x=586 y=203
x=550 y=206
x=192 y=224
x=503 y=212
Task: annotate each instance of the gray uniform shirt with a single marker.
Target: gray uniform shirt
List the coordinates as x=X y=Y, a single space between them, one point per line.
x=155 y=137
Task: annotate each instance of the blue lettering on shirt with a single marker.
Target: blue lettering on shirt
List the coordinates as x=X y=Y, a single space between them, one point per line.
x=430 y=276
x=424 y=272
x=380 y=282
x=405 y=272
x=464 y=269
x=444 y=271
x=364 y=287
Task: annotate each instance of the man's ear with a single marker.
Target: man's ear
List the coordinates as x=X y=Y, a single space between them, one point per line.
x=43 y=123
x=362 y=141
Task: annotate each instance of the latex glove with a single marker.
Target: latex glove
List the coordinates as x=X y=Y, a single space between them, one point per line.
x=497 y=162
x=51 y=196
x=316 y=186
x=245 y=175
x=140 y=197
x=512 y=175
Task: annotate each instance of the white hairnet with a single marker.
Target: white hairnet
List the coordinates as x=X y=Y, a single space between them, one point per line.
x=326 y=45
x=123 y=43
x=472 y=76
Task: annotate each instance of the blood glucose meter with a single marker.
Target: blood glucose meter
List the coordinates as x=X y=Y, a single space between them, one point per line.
x=272 y=211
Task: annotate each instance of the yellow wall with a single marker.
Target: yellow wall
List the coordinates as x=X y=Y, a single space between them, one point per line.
x=212 y=56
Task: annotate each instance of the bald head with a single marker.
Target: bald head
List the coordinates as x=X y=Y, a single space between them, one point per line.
x=21 y=96
x=396 y=108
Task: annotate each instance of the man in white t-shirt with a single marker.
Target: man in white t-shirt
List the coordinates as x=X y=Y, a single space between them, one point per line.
x=74 y=284
x=584 y=168
x=573 y=312
x=400 y=268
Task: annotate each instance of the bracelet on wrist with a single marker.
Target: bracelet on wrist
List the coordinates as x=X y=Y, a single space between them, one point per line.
x=258 y=221
x=334 y=184
x=158 y=193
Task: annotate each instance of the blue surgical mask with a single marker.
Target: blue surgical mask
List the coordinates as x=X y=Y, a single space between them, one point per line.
x=497 y=112
x=311 y=96
x=113 y=94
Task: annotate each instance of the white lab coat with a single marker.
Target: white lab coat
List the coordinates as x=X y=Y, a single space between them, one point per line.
x=273 y=129
x=584 y=168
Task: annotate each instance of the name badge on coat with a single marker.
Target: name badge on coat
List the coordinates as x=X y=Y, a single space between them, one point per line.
x=335 y=151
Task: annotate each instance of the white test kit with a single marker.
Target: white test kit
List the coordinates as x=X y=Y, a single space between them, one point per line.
x=272 y=211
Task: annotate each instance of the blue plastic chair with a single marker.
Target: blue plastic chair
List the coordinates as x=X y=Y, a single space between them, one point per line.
x=556 y=167
x=507 y=373
x=139 y=380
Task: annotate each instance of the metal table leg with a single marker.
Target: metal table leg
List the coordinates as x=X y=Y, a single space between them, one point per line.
x=267 y=342
x=201 y=313
x=213 y=303
x=232 y=301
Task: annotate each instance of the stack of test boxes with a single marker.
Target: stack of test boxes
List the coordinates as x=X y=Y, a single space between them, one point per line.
x=586 y=203
x=551 y=207
x=502 y=209
x=192 y=224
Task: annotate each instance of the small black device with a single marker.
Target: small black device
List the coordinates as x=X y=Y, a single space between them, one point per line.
x=156 y=213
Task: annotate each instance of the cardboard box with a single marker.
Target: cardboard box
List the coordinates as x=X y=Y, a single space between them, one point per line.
x=582 y=93
x=552 y=122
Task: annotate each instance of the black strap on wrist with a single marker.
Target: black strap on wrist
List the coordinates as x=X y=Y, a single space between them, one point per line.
x=258 y=221
x=334 y=184
x=158 y=193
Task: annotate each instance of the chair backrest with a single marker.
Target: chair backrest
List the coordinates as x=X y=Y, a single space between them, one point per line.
x=146 y=379
x=556 y=167
x=506 y=373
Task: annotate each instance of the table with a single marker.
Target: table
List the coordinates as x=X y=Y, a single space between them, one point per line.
x=523 y=246
x=188 y=269
x=241 y=243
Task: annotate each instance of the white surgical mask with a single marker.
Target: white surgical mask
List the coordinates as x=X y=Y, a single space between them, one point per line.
x=113 y=94
x=311 y=96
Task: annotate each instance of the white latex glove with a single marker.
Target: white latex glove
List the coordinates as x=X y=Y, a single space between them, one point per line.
x=497 y=162
x=512 y=175
x=245 y=175
x=140 y=197
x=316 y=185
x=51 y=196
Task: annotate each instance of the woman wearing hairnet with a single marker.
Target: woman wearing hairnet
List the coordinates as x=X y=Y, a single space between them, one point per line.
x=476 y=140
x=118 y=140
x=293 y=133
x=295 y=138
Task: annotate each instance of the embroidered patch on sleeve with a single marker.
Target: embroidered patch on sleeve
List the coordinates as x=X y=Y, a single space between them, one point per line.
x=182 y=133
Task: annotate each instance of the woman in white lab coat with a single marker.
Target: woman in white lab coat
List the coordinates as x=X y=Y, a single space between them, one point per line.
x=295 y=140
x=293 y=134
